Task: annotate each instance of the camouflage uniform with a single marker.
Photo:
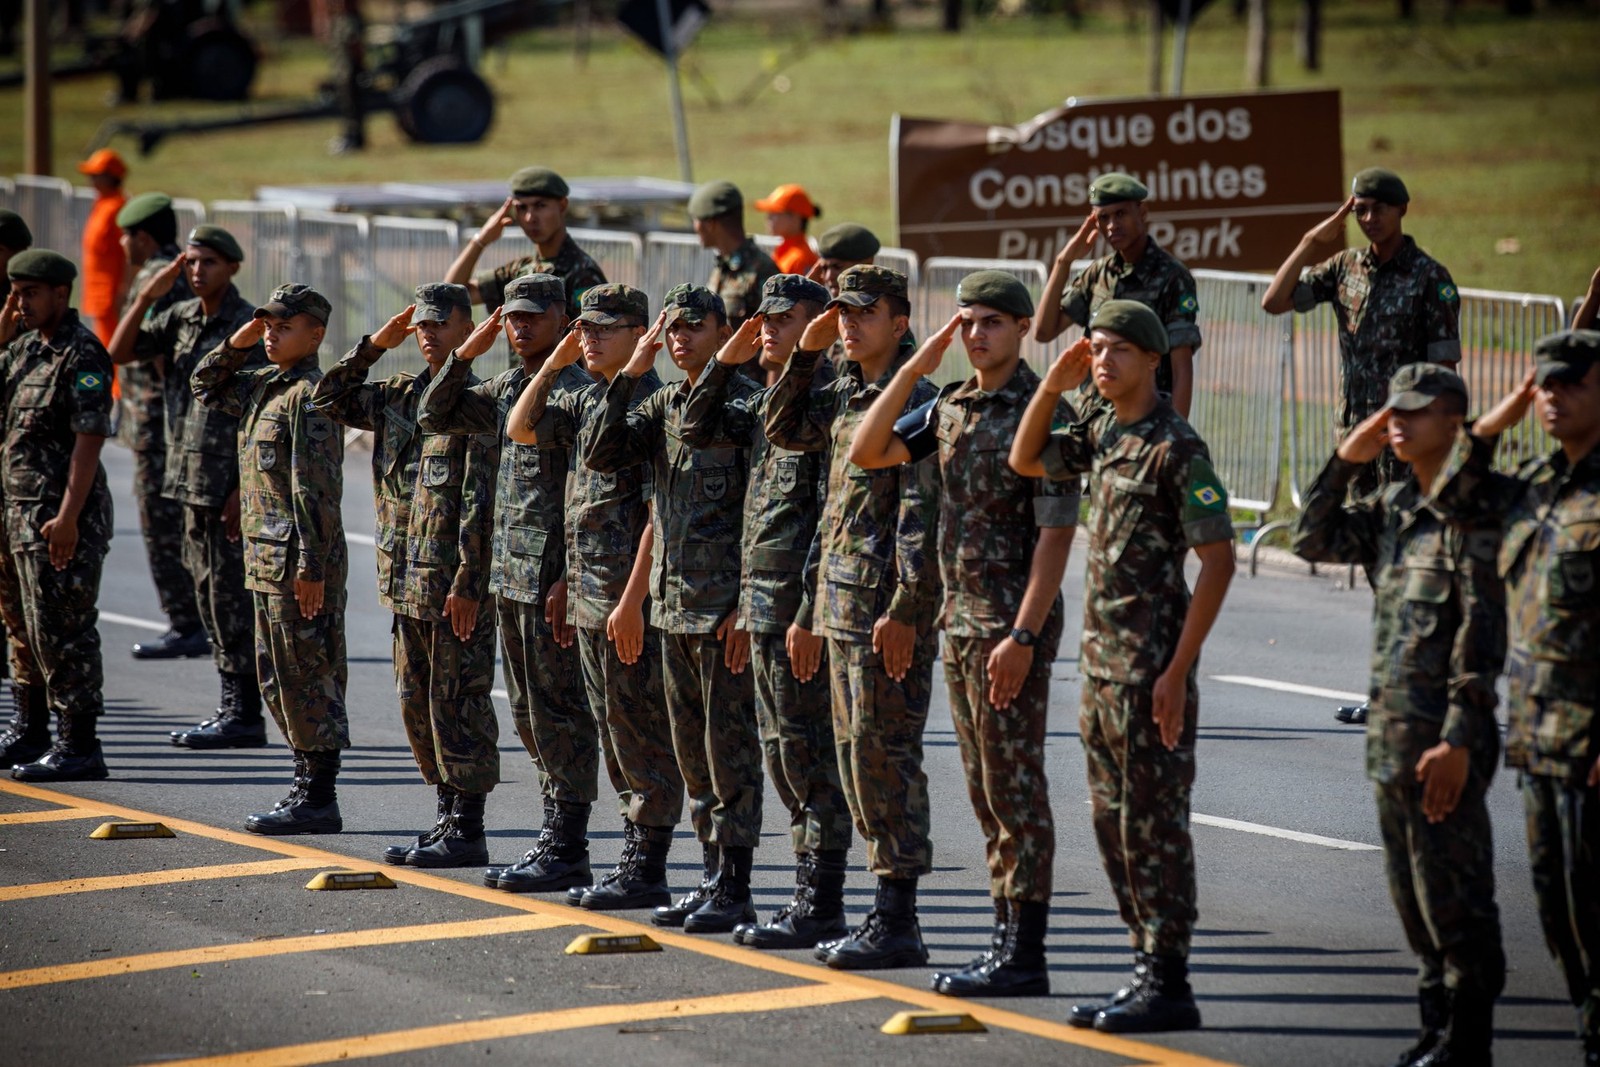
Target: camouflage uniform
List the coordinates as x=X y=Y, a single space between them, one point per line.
x=434 y=509
x=543 y=679
x=1438 y=645
x=143 y=431
x=697 y=494
x=202 y=467
x=777 y=583
x=1153 y=496
x=291 y=484
x=21 y=666
x=989 y=518
x=575 y=267
x=738 y=278
x=877 y=559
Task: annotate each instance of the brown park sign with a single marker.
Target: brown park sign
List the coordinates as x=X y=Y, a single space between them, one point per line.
x=1234 y=180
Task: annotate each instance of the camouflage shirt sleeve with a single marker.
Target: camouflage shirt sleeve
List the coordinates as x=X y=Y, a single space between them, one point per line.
x=1441 y=315
x=90 y=374
x=918 y=593
x=492 y=283
x=343 y=393
x=476 y=530
x=449 y=405
x=1075 y=298
x=711 y=418
x=1319 y=284
x=1181 y=305
x=1328 y=531
x=217 y=382
x=317 y=478
x=1479 y=651
x=799 y=418
x=1056 y=503
x=155 y=337
x=1069 y=451
x=627 y=437
x=554 y=416
x=1205 y=504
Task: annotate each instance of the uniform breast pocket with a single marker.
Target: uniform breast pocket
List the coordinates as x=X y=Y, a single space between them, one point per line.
x=31 y=402
x=266 y=554
x=526 y=541
x=790 y=476
x=1427 y=592
x=528 y=464
x=439 y=468
x=1571 y=576
x=1125 y=500
x=715 y=483
x=271 y=445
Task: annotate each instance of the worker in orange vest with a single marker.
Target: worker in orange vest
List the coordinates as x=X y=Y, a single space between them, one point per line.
x=105 y=265
x=789 y=210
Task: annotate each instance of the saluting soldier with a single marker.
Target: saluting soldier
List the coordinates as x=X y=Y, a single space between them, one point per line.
x=1438 y=644
x=538 y=205
x=839 y=248
x=1153 y=497
x=57 y=390
x=291 y=460
x=717 y=211
x=434 y=501
x=1003 y=544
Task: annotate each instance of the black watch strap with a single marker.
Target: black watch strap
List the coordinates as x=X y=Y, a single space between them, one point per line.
x=1025 y=638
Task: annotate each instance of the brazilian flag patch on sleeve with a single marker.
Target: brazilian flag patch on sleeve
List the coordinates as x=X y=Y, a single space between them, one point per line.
x=89 y=382
x=1188 y=304
x=1447 y=293
x=1205 y=492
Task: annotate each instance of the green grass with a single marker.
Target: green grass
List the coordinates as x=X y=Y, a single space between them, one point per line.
x=1490 y=120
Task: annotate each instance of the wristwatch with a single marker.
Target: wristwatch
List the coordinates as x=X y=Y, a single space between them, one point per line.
x=1025 y=638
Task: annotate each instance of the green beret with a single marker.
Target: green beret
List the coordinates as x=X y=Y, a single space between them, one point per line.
x=538 y=181
x=218 y=240
x=996 y=289
x=41 y=265
x=783 y=291
x=716 y=198
x=1416 y=385
x=293 y=299
x=1381 y=185
x=861 y=286
x=692 y=303
x=849 y=242
x=1114 y=188
x=142 y=209
x=14 y=233
x=436 y=300
x=613 y=304
x=536 y=293
x=1564 y=357
x=1134 y=322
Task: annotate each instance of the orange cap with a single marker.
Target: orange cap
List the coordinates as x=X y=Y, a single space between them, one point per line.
x=104 y=161
x=788 y=199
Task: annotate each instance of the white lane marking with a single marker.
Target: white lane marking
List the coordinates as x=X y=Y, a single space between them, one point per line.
x=1287 y=835
x=129 y=620
x=501 y=693
x=361 y=539
x=1289 y=687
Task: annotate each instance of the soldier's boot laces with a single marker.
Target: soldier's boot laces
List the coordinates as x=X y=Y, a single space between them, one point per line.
x=1017 y=967
x=1082 y=1015
x=28 y=735
x=674 y=912
x=239 y=725
x=226 y=683
x=491 y=875
x=75 y=757
x=729 y=904
x=1469 y=1035
x=562 y=862
x=312 y=806
x=891 y=936
x=816 y=914
x=640 y=880
x=1433 y=1006
x=446 y=802
x=1164 y=1002
x=463 y=843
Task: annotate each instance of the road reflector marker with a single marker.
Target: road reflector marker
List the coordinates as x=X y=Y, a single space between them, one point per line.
x=350 y=880
x=933 y=1022
x=126 y=831
x=599 y=944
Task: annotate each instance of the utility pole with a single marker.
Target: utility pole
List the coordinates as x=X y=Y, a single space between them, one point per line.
x=37 y=156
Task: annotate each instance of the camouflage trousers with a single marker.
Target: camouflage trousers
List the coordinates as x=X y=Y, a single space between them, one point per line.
x=1564 y=854
x=161 y=524
x=1441 y=876
x=216 y=566
x=449 y=716
x=20 y=661
x=61 y=626
x=302 y=669
x=630 y=713
x=714 y=737
x=547 y=703
x=1002 y=752
x=877 y=733
x=1139 y=792
x=796 y=726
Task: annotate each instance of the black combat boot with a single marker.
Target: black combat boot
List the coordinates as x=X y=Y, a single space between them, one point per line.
x=804 y=872
x=1082 y=1015
x=1017 y=967
x=75 y=757
x=729 y=904
x=28 y=736
x=462 y=844
x=1433 y=1004
x=1165 y=1002
x=175 y=644
x=1468 y=1037
x=674 y=913
x=890 y=937
x=816 y=914
x=561 y=861
x=314 y=809
x=640 y=879
x=239 y=725
x=447 y=799
x=491 y=875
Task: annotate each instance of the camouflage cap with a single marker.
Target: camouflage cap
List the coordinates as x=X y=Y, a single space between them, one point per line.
x=142 y=209
x=861 y=286
x=1114 y=188
x=783 y=291
x=716 y=198
x=538 y=181
x=218 y=240
x=1134 y=322
x=850 y=242
x=1563 y=357
x=14 y=232
x=692 y=303
x=435 y=300
x=1416 y=385
x=996 y=289
x=1381 y=185
x=614 y=304
x=41 y=265
x=293 y=299
x=534 y=293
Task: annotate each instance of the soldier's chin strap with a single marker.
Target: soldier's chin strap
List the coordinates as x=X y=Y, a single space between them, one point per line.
x=916 y=431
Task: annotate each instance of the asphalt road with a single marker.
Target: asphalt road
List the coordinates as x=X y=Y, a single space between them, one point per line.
x=208 y=948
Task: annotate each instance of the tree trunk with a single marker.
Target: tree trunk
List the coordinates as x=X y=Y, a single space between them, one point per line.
x=1260 y=46
x=1310 y=35
x=952 y=16
x=1157 y=21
